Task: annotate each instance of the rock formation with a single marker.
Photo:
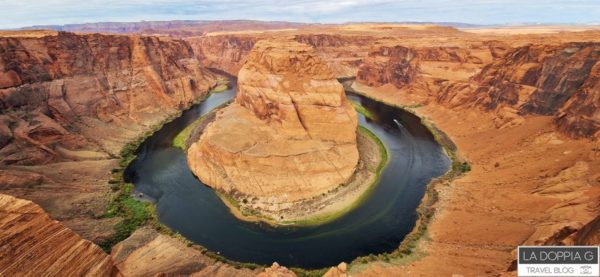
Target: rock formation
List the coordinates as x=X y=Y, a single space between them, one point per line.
x=389 y=65
x=228 y=52
x=342 y=53
x=149 y=253
x=225 y=52
x=290 y=134
x=69 y=103
x=404 y=67
x=562 y=81
x=94 y=83
x=34 y=245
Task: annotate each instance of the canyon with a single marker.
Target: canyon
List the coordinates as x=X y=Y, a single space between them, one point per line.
x=522 y=109
x=70 y=103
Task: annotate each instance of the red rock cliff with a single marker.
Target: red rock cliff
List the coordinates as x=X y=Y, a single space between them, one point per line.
x=87 y=85
x=562 y=81
x=68 y=105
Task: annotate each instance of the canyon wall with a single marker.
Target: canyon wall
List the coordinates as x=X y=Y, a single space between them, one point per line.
x=225 y=52
x=69 y=103
x=342 y=53
x=559 y=80
x=290 y=134
x=396 y=65
x=555 y=80
x=405 y=66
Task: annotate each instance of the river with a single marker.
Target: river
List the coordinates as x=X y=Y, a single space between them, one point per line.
x=378 y=225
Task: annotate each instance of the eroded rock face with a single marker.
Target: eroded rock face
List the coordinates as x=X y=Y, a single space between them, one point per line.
x=342 y=53
x=226 y=52
x=561 y=81
x=56 y=89
x=33 y=245
x=422 y=68
x=394 y=65
x=290 y=134
x=69 y=103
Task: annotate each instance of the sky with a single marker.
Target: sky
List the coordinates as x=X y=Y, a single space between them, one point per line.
x=21 y=13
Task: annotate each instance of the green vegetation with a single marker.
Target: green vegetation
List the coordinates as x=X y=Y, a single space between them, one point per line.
x=301 y=272
x=362 y=110
x=317 y=220
x=179 y=140
x=235 y=206
x=382 y=149
x=133 y=212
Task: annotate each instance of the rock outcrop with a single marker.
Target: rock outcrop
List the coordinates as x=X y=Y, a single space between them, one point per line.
x=404 y=67
x=35 y=245
x=277 y=271
x=342 y=53
x=54 y=85
x=225 y=52
x=290 y=134
x=562 y=81
x=149 y=253
x=69 y=103
x=389 y=65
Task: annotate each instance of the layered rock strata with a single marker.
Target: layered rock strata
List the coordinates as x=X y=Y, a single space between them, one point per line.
x=562 y=81
x=289 y=136
x=34 y=245
x=69 y=103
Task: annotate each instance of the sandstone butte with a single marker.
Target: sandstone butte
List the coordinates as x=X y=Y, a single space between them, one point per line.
x=290 y=134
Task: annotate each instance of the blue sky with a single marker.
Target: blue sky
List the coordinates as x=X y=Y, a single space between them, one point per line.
x=19 y=13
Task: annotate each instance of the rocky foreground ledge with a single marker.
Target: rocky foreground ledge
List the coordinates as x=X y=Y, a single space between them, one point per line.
x=289 y=138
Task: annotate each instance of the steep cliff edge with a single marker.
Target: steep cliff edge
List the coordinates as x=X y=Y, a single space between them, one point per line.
x=396 y=65
x=289 y=136
x=421 y=70
x=225 y=52
x=560 y=81
x=69 y=103
x=33 y=245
